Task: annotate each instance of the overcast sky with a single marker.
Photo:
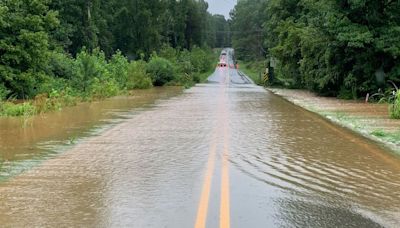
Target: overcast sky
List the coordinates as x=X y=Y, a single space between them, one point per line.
x=221 y=6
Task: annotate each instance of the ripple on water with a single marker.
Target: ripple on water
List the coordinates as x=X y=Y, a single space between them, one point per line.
x=291 y=150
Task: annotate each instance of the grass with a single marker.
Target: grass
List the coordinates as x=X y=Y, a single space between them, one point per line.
x=72 y=140
x=393 y=137
x=252 y=70
x=11 y=109
x=379 y=133
x=394 y=109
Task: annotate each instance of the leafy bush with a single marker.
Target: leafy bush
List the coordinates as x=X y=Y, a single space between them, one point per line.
x=61 y=66
x=3 y=92
x=50 y=84
x=169 y=53
x=161 y=71
x=395 y=107
x=89 y=66
x=101 y=88
x=137 y=77
x=200 y=60
x=118 y=69
x=184 y=64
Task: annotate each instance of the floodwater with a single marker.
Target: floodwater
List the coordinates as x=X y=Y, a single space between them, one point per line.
x=222 y=154
x=25 y=142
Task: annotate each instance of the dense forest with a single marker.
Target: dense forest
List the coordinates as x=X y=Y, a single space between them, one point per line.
x=344 y=48
x=95 y=48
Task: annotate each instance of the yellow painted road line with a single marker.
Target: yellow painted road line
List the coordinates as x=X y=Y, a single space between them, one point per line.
x=202 y=210
x=224 y=219
x=224 y=215
x=205 y=192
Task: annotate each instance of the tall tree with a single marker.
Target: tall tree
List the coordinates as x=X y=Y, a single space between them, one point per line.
x=24 y=44
x=247 y=29
x=343 y=48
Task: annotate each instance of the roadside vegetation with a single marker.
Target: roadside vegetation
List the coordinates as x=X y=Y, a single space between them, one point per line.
x=393 y=137
x=346 y=49
x=394 y=108
x=55 y=54
x=253 y=70
x=90 y=76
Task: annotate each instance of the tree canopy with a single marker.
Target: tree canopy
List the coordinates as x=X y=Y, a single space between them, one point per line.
x=37 y=37
x=343 y=48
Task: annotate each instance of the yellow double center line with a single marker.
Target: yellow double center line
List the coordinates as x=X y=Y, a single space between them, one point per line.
x=224 y=216
x=201 y=218
x=205 y=192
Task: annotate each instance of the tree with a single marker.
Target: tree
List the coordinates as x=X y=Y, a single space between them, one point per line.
x=343 y=48
x=24 y=44
x=247 y=29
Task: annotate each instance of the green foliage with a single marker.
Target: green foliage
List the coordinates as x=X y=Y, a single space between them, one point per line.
x=61 y=66
x=161 y=70
x=24 y=44
x=191 y=66
x=11 y=109
x=247 y=22
x=389 y=136
x=200 y=60
x=379 y=133
x=335 y=48
x=118 y=69
x=89 y=66
x=137 y=77
x=395 y=107
x=3 y=92
x=254 y=70
x=55 y=100
x=103 y=88
x=62 y=51
x=136 y=26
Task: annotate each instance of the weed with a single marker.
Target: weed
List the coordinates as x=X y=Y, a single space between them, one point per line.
x=394 y=109
x=11 y=109
x=72 y=140
x=379 y=133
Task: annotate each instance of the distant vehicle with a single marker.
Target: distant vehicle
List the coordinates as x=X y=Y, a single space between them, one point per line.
x=222 y=64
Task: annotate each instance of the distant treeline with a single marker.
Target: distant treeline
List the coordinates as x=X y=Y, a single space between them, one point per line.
x=344 y=48
x=49 y=45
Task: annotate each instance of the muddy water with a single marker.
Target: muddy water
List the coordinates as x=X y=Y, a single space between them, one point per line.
x=25 y=142
x=287 y=168
x=315 y=174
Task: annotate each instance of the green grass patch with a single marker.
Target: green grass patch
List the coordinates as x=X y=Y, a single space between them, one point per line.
x=379 y=133
x=394 y=109
x=11 y=109
x=393 y=137
x=252 y=70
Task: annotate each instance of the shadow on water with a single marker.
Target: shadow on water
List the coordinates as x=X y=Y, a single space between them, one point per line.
x=26 y=143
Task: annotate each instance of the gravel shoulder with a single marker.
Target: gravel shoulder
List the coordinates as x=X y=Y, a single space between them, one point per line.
x=370 y=120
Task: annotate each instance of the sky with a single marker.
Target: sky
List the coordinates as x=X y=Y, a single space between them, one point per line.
x=221 y=6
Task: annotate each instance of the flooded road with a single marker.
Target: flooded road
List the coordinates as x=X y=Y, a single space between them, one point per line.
x=222 y=154
x=25 y=142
